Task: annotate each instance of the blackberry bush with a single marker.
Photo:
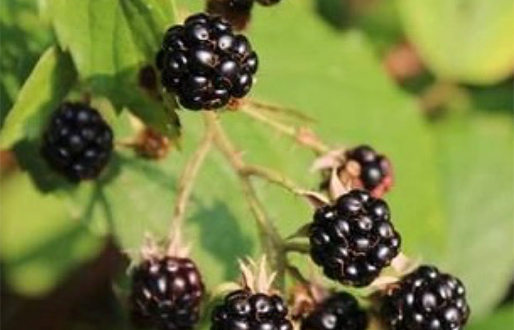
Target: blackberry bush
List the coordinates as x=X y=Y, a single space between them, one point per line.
x=426 y=299
x=128 y=63
x=339 y=311
x=166 y=293
x=205 y=64
x=353 y=239
x=77 y=142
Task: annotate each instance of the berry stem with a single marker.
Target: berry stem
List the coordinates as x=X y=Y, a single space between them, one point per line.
x=271 y=176
x=303 y=136
x=187 y=181
x=290 y=112
x=302 y=248
x=297 y=274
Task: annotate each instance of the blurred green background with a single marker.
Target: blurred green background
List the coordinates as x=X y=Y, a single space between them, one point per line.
x=429 y=83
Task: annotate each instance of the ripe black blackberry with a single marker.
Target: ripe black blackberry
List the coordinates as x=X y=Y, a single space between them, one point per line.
x=237 y=12
x=77 y=142
x=340 y=311
x=353 y=239
x=268 y=2
x=375 y=172
x=205 y=64
x=244 y=310
x=166 y=293
x=426 y=299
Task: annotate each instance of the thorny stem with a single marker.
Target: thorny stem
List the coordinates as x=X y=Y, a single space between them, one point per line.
x=302 y=136
x=187 y=181
x=226 y=147
x=277 y=109
x=296 y=274
x=271 y=239
x=271 y=176
x=275 y=247
x=296 y=247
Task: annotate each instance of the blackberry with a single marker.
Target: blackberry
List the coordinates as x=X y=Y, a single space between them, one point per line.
x=268 y=2
x=205 y=64
x=375 y=170
x=339 y=311
x=77 y=142
x=237 y=12
x=166 y=293
x=244 y=310
x=353 y=239
x=426 y=299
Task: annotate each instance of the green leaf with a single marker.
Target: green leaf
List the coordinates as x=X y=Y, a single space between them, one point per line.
x=477 y=163
x=464 y=40
x=502 y=319
x=346 y=90
x=110 y=42
x=24 y=37
x=39 y=244
x=48 y=84
x=348 y=93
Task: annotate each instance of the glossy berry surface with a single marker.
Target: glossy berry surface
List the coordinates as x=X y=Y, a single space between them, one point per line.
x=375 y=169
x=340 y=311
x=242 y=310
x=426 y=299
x=205 y=64
x=166 y=294
x=353 y=239
x=77 y=142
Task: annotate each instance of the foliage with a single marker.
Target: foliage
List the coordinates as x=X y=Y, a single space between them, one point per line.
x=454 y=176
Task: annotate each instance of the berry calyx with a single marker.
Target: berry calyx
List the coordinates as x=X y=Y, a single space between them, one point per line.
x=151 y=144
x=373 y=172
x=244 y=310
x=166 y=293
x=340 y=311
x=426 y=299
x=354 y=239
x=77 y=142
x=205 y=64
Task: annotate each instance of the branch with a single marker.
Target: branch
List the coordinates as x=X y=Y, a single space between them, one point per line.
x=290 y=112
x=188 y=179
x=302 y=136
x=301 y=248
x=234 y=157
x=271 y=176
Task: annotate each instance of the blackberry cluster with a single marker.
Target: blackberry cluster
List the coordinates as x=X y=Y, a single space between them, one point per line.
x=242 y=310
x=77 y=142
x=375 y=168
x=166 y=294
x=205 y=64
x=353 y=239
x=340 y=311
x=426 y=299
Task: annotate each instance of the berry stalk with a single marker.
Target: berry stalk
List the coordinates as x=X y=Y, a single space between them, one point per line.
x=301 y=135
x=187 y=181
